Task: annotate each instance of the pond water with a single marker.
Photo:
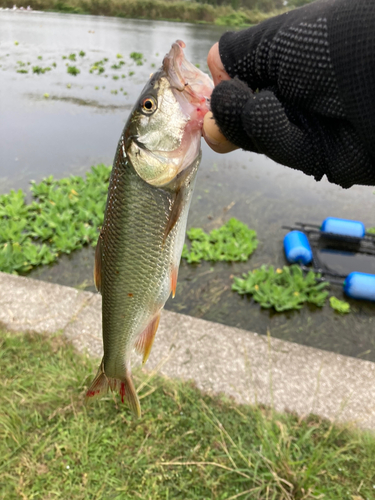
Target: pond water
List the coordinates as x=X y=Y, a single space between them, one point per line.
x=79 y=124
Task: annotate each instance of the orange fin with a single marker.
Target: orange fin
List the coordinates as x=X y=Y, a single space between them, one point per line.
x=175 y=212
x=145 y=340
x=174 y=276
x=102 y=383
x=127 y=391
x=98 y=265
x=99 y=386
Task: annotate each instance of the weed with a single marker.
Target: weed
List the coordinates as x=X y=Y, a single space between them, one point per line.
x=283 y=289
x=22 y=71
x=131 y=73
x=115 y=77
x=339 y=305
x=234 y=241
x=72 y=57
x=82 y=53
x=72 y=70
x=63 y=216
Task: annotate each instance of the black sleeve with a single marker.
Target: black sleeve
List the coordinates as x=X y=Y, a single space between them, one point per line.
x=302 y=90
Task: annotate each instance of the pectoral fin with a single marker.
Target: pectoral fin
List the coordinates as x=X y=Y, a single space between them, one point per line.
x=175 y=212
x=145 y=340
x=174 y=276
x=98 y=265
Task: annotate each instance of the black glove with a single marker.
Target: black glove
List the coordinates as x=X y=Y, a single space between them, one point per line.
x=303 y=90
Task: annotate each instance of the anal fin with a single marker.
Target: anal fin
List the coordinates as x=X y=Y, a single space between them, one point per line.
x=145 y=340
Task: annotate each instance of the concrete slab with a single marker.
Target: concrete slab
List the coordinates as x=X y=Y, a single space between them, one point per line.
x=249 y=367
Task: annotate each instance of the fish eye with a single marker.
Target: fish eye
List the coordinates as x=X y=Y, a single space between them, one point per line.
x=149 y=105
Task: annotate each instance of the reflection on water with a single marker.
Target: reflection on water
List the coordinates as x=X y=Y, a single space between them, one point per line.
x=79 y=126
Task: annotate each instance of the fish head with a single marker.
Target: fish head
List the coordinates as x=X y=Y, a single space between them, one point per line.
x=163 y=134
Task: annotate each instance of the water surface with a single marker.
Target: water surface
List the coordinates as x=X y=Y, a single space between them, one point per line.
x=79 y=126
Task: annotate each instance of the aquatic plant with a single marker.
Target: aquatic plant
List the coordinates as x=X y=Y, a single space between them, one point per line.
x=232 y=242
x=72 y=57
x=73 y=70
x=283 y=289
x=339 y=305
x=131 y=73
x=22 y=71
x=63 y=215
x=82 y=53
x=39 y=70
x=115 y=77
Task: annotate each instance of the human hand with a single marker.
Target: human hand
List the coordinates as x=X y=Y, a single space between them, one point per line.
x=299 y=88
x=211 y=132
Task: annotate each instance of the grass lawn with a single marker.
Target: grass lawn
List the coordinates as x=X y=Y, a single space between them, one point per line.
x=187 y=445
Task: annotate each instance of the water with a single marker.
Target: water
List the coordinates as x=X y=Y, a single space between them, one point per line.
x=79 y=126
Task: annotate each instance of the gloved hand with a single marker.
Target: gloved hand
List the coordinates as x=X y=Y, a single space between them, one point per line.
x=302 y=90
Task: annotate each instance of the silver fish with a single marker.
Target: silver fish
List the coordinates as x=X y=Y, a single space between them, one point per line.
x=140 y=244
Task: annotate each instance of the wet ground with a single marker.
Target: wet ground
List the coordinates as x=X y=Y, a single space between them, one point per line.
x=78 y=125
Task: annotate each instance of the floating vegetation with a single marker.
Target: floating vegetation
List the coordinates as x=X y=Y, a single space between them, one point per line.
x=114 y=92
x=119 y=56
x=72 y=57
x=137 y=58
x=73 y=70
x=40 y=71
x=118 y=66
x=98 y=66
x=96 y=88
x=46 y=96
x=40 y=57
x=115 y=77
x=22 y=71
x=232 y=242
x=123 y=76
x=54 y=64
x=283 y=289
x=63 y=216
x=68 y=85
x=82 y=53
x=131 y=73
x=16 y=43
x=339 y=305
x=20 y=63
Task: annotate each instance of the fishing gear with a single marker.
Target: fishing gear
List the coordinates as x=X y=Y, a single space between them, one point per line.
x=301 y=244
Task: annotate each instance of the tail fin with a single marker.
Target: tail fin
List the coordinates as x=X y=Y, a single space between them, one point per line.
x=102 y=383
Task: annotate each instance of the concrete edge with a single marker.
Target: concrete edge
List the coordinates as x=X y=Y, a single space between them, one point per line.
x=249 y=367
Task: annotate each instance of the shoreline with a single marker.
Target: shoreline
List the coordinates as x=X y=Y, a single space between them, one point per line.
x=154 y=10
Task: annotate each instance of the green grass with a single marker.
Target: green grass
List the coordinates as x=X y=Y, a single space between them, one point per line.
x=187 y=445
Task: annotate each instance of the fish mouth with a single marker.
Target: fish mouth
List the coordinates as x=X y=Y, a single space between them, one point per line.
x=187 y=79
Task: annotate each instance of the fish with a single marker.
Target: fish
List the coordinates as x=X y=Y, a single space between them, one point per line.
x=140 y=243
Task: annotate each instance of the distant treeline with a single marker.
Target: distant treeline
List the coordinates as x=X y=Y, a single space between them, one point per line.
x=222 y=12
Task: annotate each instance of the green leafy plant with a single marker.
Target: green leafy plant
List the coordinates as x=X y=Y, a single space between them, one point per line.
x=234 y=241
x=39 y=70
x=137 y=58
x=339 y=305
x=22 y=71
x=283 y=289
x=82 y=53
x=73 y=70
x=72 y=57
x=63 y=216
